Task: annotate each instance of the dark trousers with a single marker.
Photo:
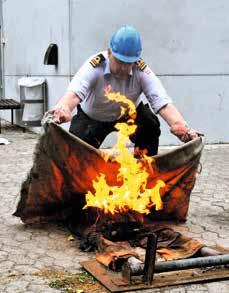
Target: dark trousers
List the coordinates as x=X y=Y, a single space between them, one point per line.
x=94 y=132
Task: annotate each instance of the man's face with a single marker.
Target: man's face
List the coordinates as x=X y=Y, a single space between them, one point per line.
x=118 y=68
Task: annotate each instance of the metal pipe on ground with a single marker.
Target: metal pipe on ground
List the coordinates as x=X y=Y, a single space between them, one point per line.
x=191 y=263
x=208 y=251
x=130 y=269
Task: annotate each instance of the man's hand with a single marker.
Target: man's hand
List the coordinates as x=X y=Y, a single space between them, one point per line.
x=183 y=132
x=60 y=114
x=62 y=111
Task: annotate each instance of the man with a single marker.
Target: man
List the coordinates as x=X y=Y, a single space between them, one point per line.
x=119 y=69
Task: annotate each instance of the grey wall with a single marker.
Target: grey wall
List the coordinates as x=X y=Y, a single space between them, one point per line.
x=184 y=42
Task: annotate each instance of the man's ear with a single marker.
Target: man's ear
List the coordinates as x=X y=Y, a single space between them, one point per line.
x=109 y=52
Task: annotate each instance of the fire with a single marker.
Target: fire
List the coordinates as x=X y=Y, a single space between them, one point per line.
x=132 y=194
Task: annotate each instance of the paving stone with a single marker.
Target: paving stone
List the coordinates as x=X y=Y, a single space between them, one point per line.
x=209 y=236
x=6 y=267
x=20 y=259
x=173 y=290
x=196 y=288
x=146 y=291
x=221 y=287
x=37 y=288
x=223 y=242
x=3 y=255
x=17 y=286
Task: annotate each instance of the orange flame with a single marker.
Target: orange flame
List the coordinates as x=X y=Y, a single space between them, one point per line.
x=133 y=194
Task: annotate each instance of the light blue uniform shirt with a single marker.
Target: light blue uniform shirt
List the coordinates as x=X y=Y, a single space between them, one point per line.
x=90 y=82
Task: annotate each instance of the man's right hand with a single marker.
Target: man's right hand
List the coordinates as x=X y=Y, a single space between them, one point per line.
x=60 y=114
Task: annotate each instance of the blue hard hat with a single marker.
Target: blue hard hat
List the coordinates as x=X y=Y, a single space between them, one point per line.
x=125 y=44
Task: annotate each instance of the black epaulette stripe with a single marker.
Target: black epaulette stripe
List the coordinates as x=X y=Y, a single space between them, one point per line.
x=95 y=61
x=141 y=64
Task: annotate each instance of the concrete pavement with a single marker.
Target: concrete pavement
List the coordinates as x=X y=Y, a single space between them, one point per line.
x=27 y=250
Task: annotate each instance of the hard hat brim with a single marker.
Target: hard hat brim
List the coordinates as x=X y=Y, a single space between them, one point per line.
x=123 y=58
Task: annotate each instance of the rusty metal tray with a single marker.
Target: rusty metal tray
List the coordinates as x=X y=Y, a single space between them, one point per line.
x=114 y=282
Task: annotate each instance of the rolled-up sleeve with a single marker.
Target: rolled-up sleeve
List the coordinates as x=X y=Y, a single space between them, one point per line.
x=83 y=80
x=153 y=90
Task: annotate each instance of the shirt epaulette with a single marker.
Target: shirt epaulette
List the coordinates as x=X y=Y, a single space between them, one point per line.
x=141 y=64
x=95 y=61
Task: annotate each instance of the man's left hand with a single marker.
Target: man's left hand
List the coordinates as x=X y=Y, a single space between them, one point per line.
x=183 y=132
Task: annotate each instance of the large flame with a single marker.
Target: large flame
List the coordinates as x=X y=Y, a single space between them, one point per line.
x=133 y=194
